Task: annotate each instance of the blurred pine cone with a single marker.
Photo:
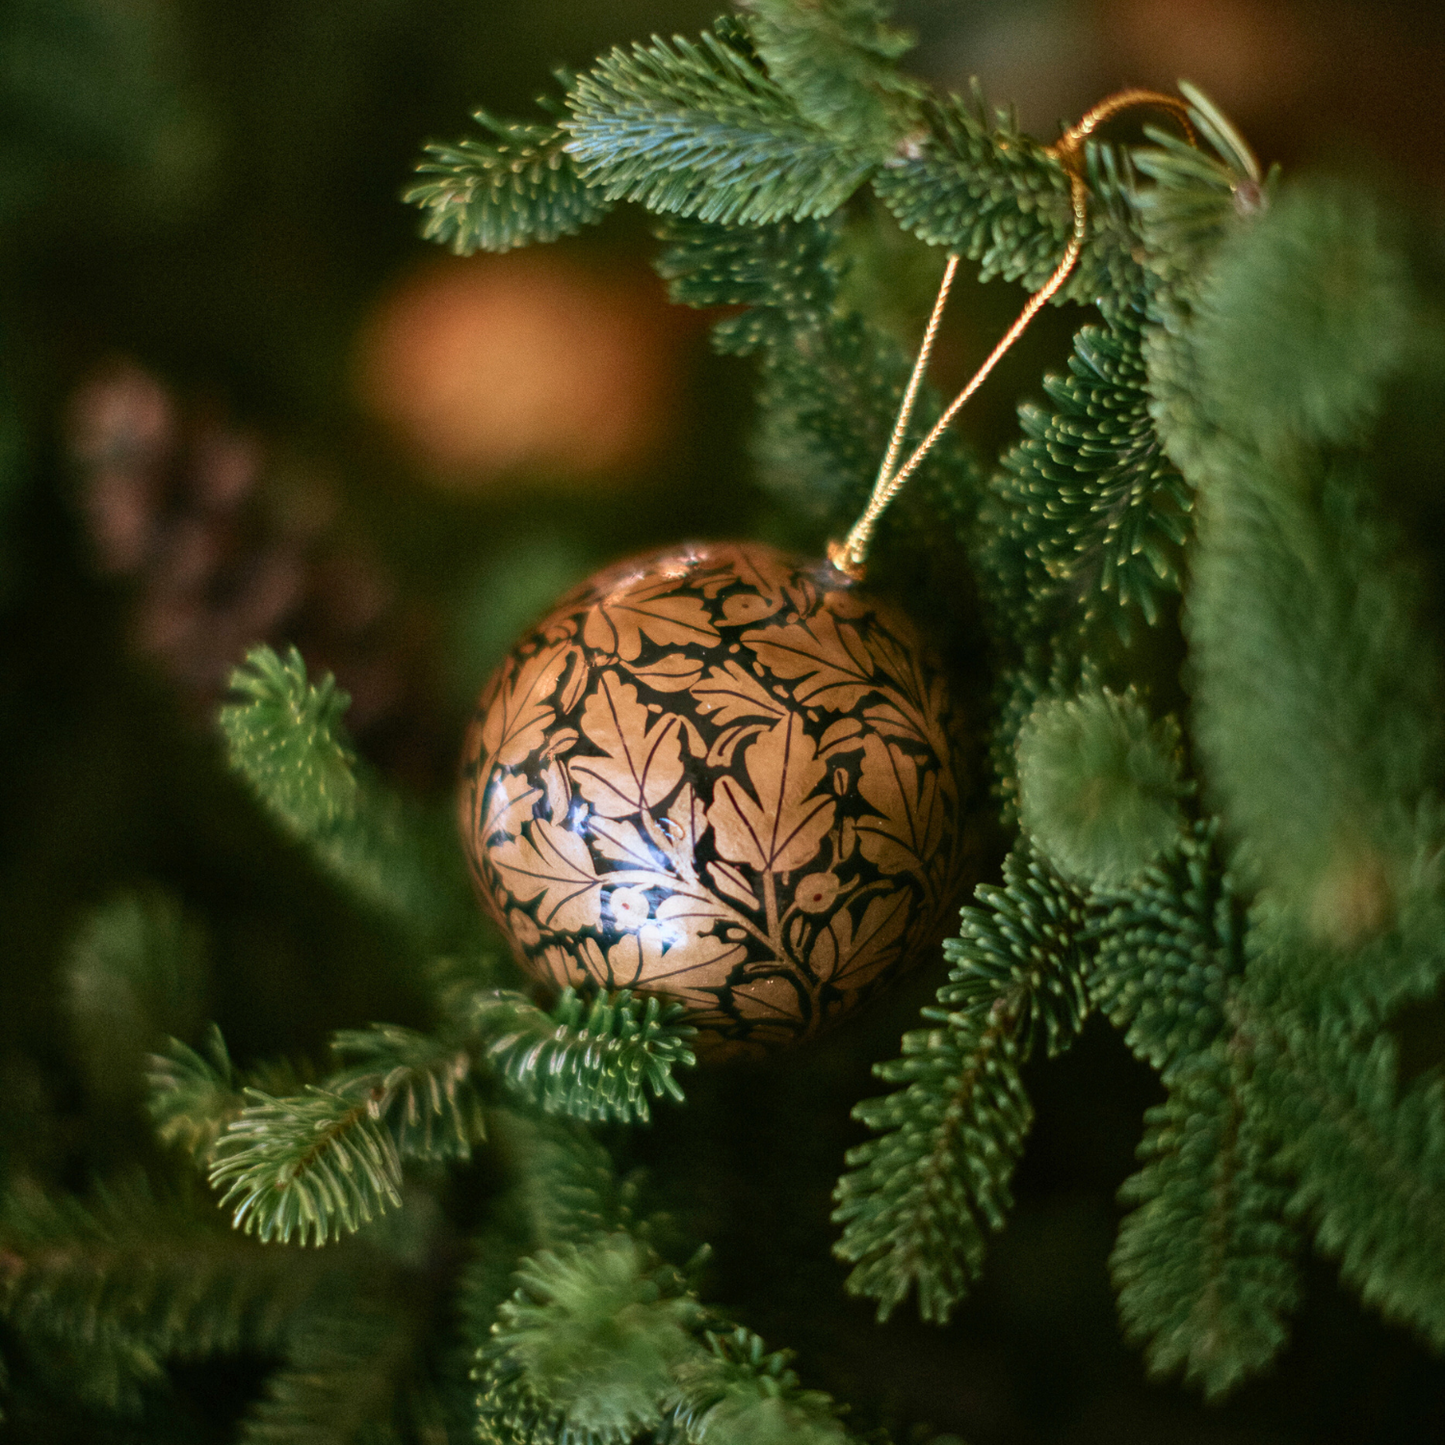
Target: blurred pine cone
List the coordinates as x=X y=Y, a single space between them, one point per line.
x=225 y=542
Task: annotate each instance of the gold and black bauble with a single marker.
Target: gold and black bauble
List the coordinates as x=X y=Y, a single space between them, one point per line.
x=732 y=778
x=724 y=776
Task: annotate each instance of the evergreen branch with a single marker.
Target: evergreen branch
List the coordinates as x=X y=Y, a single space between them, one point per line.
x=286 y=740
x=916 y=1201
x=591 y=1059
x=1089 y=493
x=564 y=1188
x=192 y=1096
x=1317 y=693
x=1027 y=946
x=421 y=1087
x=998 y=197
x=314 y=1165
x=346 y=1363
x=511 y=190
x=835 y=60
x=150 y=1278
x=1099 y=786
x=1199 y=194
x=1168 y=950
x=831 y=382
x=1204 y=1264
x=136 y=971
x=588 y=1346
x=783 y=273
x=1369 y=1161
x=700 y=130
x=740 y=1393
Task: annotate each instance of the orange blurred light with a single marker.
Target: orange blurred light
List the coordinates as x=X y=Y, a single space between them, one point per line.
x=524 y=363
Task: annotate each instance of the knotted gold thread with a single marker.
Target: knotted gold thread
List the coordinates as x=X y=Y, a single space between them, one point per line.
x=850 y=555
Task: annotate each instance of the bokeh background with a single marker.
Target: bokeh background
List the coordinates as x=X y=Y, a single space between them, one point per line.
x=241 y=400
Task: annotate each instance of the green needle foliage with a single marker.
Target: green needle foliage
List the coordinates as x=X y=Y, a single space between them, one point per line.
x=286 y=740
x=514 y=188
x=592 y=1060
x=701 y=130
x=311 y=1165
x=324 y=1161
x=1098 y=786
x=917 y=1201
x=1205 y=1263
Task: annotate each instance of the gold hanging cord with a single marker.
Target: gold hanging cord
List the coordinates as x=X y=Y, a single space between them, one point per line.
x=850 y=555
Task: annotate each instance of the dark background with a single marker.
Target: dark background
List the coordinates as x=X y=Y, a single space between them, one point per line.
x=241 y=398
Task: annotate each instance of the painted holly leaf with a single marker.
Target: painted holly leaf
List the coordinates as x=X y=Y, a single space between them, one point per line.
x=733 y=882
x=638 y=766
x=727 y=742
x=904 y=794
x=576 y=683
x=672 y=672
x=648 y=608
x=781 y=824
x=731 y=692
x=829 y=662
x=507 y=803
x=559 y=791
x=621 y=842
x=683 y=828
x=518 y=718
x=551 y=862
x=849 y=958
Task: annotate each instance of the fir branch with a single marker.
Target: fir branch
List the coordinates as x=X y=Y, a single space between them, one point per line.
x=998 y=197
x=916 y=1201
x=741 y=1393
x=1168 y=950
x=421 y=1086
x=588 y=1346
x=1204 y=1264
x=563 y=1187
x=831 y=381
x=1089 y=493
x=1099 y=786
x=192 y=1095
x=1200 y=193
x=592 y=1059
x=136 y=971
x=314 y=1165
x=150 y=1276
x=1028 y=947
x=286 y=740
x=835 y=59
x=516 y=187
x=1367 y=1157
x=699 y=129
x=342 y=1381
x=1317 y=693
x=783 y=273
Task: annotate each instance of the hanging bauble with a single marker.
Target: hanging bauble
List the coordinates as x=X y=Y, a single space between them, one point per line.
x=724 y=776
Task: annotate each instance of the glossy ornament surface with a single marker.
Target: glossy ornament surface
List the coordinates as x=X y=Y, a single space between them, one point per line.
x=721 y=775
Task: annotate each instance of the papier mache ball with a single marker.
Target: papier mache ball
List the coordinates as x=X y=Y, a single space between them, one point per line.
x=724 y=776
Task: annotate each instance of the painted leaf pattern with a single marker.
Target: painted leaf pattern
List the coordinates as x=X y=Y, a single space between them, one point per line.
x=724 y=776
x=780 y=824
x=638 y=762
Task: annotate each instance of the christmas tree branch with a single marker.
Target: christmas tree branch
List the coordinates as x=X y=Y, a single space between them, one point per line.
x=286 y=740
x=915 y=1202
x=514 y=188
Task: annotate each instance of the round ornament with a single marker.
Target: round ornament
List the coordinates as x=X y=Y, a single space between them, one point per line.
x=724 y=776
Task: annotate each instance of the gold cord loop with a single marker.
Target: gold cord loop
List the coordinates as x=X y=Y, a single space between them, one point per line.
x=850 y=555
